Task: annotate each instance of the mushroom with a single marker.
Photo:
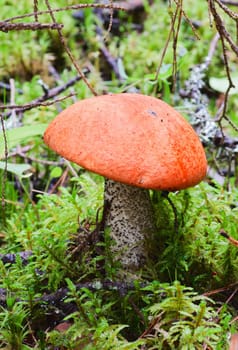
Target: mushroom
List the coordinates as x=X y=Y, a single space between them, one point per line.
x=137 y=143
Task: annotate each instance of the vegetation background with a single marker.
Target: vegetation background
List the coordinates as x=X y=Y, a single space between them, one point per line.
x=58 y=284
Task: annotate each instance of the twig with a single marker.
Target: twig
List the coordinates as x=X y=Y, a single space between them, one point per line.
x=4 y=177
x=228 y=11
x=6 y=27
x=173 y=19
x=230 y=239
x=40 y=101
x=230 y=2
x=221 y=27
x=221 y=290
x=34 y=104
x=176 y=30
x=60 y=181
x=68 y=51
x=111 y=17
x=36 y=9
x=67 y=8
x=151 y=326
x=177 y=15
x=70 y=167
x=231 y=123
x=225 y=38
x=36 y=160
x=224 y=35
x=190 y=22
x=231 y=296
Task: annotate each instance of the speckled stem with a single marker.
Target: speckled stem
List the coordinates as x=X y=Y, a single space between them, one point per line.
x=130 y=219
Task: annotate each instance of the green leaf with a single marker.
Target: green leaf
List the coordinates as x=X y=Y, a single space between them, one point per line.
x=19 y=135
x=221 y=84
x=55 y=172
x=17 y=169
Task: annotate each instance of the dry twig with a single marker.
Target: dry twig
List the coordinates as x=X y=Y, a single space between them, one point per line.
x=51 y=94
x=225 y=38
x=232 y=240
x=6 y=27
x=36 y=9
x=4 y=176
x=68 y=51
x=66 y=8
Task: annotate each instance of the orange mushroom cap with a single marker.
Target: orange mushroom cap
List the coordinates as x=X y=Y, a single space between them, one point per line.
x=130 y=138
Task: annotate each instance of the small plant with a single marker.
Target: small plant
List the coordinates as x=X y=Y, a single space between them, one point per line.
x=183 y=320
x=13 y=325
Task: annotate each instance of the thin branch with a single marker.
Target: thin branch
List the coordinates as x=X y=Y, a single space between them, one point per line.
x=221 y=27
x=232 y=240
x=221 y=290
x=231 y=123
x=6 y=27
x=179 y=15
x=188 y=20
x=36 y=9
x=225 y=37
x=67 y=8
x=52 y=93
x=36 y=160
x=229 y=12
x=230 y=85
x=68 y=51
x=165 y=47
x=111 y=17
x=4 y=177
x=34 y=104
x=230 y=2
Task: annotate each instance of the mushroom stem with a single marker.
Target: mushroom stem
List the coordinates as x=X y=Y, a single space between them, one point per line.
x=131 y=221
